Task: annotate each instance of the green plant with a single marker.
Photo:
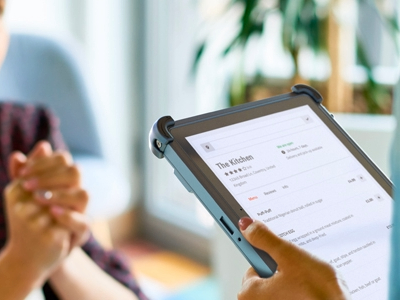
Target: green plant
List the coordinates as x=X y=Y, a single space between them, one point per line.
x=305 y=24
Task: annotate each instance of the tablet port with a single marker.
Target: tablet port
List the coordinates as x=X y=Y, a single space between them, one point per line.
x=226 y=225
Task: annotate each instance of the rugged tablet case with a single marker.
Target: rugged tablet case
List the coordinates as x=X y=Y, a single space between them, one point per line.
x=160 y=140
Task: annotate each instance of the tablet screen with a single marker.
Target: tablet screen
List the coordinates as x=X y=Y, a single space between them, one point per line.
x=291 y=172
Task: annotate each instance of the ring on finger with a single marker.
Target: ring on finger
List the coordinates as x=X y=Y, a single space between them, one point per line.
x=45 y=194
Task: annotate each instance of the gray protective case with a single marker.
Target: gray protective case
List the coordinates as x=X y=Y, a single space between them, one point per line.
x=161 y=143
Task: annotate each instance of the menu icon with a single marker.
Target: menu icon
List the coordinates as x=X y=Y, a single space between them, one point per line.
x=361 y=178
x=207 y=147
x=307 y=119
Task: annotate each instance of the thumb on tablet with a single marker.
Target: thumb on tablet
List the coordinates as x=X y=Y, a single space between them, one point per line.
x=258 y=235
x=300 y=276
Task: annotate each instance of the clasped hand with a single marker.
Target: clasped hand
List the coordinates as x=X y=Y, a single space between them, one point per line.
x=45 y=204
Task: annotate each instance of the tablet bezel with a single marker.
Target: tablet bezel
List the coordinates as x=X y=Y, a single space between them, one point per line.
x=203 y=123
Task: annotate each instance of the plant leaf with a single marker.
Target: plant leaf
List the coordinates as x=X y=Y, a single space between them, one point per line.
x=198 y=55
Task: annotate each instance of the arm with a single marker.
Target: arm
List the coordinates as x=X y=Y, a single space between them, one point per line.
x=80 y=278
x=16 y=282
x=299 y=274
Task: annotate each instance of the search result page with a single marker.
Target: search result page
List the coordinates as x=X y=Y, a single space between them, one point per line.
x=291 y=172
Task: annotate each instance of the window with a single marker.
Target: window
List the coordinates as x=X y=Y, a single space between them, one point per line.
x=171 y=28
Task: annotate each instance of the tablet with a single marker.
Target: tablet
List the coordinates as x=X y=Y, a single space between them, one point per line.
x=285 y=161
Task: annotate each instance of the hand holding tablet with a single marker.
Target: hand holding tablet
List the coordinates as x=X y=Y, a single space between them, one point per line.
x=299 y=276
x=285 y=162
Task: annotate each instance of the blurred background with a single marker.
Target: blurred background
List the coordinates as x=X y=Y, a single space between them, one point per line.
x=141 y=60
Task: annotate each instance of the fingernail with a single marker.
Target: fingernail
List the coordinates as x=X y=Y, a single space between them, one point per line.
x=43 y=195
x=244 y=223
x=57 y=210
x=30 y=184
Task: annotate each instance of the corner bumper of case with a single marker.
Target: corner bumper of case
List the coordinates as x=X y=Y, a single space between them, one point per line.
x=159 y=136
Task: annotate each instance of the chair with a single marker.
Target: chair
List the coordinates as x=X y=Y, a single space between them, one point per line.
x=42 y=70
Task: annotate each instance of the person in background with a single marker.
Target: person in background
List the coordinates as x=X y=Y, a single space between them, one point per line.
x=44 y=237
x=44 y=206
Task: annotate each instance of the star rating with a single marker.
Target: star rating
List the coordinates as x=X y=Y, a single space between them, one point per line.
x=233 y=172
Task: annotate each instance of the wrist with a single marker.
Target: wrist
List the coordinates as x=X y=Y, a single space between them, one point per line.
x=17 y=278
x=66 y=265
x=22 y=265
